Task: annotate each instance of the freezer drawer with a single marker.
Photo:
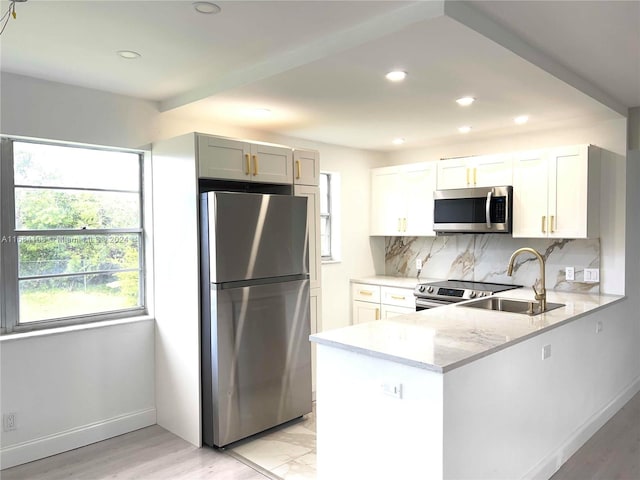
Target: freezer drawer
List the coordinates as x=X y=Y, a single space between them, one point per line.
x=258 y=372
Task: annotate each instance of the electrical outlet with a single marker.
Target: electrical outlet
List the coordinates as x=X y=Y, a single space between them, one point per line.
x=546 y=352
x=592 y=275
x=418 y=264
x=569 y=274
x=9 y=422
x=598 y=327
x=392 y=389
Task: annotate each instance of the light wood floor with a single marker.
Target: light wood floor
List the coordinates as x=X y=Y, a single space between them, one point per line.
x=152 y=453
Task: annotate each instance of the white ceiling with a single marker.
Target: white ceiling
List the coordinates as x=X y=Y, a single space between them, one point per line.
x=319 y=66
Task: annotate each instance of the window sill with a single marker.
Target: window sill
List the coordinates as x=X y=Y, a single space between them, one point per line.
x=73 y=328
x=329 y=262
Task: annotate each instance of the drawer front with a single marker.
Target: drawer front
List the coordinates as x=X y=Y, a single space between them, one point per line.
x=365 y=293
x=400 y=297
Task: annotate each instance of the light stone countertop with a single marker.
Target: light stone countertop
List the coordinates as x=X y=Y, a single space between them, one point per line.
x=389 y=281
x=442 y=339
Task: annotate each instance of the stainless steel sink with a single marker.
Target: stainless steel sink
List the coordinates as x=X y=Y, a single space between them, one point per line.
x=525 y=307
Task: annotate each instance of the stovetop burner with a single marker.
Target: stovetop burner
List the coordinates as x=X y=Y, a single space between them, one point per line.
x=458 y=290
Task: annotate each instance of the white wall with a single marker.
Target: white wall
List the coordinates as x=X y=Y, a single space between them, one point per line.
x=75 y=388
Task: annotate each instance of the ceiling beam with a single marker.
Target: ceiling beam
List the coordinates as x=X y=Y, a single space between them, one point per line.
x=465 y=13
x=371 y=29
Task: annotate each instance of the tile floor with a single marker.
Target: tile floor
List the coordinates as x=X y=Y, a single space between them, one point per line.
x=287 y=452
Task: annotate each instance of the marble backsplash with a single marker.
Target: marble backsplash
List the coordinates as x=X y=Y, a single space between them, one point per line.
x=485 y=258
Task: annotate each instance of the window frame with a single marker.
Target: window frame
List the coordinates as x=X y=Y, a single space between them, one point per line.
x=9 y=260
x=328 y=215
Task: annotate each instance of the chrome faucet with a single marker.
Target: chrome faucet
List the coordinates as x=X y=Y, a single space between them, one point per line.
x=541 y=296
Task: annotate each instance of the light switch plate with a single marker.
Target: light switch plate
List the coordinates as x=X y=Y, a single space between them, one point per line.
x=592 y=275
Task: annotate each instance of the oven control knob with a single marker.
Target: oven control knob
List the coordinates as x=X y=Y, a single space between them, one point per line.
x=430 y=289
x=472 y=295
x=421 y=288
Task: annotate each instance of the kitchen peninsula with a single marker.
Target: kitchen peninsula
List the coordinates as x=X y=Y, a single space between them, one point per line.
x=458 y=392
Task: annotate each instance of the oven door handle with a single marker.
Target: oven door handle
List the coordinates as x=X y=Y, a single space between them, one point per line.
x=430 y=303
x=487 y=209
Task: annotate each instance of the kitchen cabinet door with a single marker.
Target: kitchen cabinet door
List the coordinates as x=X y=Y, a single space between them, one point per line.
x=387 y=201
x=477 y=171
x=402 y=200
x=271 y=164
x=313 y=230
x=556 y=193
x=492 y=171
x=453 y=173
x=306 y=167
x=530 y=194
x=574 y=191
x=223 y=158
x=365 y=312
x=390 y=311
x=418 y=183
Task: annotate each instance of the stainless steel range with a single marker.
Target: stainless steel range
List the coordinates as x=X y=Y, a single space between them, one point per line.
x=438 y=294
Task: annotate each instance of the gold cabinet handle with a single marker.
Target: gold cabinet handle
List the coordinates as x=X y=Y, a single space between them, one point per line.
x=475 y=170
x=404 y=224
x=377 y=314
x=399 y=224
x=552 y=229
x=398 y=297
x=255 y=165
x=544 y=224
x=248 y=162
x=368 y=293
x=298 y=170
x=467 y=176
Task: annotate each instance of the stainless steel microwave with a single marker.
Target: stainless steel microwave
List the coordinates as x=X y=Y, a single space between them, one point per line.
x=473 y=210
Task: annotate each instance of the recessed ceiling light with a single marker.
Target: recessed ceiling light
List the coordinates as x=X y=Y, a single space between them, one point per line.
x=396 y=76
x=128 y=54
x=261 y=112
x=398 y=141
x=522 y=119
x=464 y=129
x=465 y=101
x=206 y=7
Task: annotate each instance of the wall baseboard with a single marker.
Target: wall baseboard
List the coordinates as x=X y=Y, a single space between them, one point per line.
x=550 y=464
x=74 y=438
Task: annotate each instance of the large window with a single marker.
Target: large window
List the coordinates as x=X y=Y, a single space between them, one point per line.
x=330 y=216
x=72 y=243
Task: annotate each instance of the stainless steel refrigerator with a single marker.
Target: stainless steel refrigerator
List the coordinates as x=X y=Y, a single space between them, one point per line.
x=256 y=356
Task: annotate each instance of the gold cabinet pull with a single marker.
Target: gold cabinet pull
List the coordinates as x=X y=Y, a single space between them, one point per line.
x=298 y=170
x=475 y=170
x=366 y=292
x=399 y=224
x=398 y=297
x=248 y=162
x=404 y=224
x=544 y=222
x=255 y=165
x=467 y=176
x=552 y=229
x=377 y=314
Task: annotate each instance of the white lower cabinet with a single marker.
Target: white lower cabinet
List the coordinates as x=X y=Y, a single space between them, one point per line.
x=375 y=302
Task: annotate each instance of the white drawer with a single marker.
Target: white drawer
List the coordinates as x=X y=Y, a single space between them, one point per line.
x=365 y=293
x=401 y=297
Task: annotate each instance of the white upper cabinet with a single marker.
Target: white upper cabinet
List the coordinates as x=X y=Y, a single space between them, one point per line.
x=402 y=200
x=306 y=167
x=313 y=230
x=478 y=171
x=556 y=192
x=237 y=160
